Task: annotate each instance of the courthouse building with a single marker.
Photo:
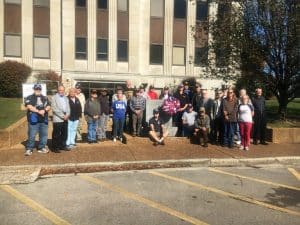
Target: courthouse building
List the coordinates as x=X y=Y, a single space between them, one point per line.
x=107 y=42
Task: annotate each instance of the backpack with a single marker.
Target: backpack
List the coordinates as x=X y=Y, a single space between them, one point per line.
x=170 y=106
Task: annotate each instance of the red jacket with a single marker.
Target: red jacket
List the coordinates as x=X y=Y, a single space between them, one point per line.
x=152 y=95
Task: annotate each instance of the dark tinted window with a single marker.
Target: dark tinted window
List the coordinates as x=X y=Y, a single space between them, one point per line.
x=122 y=51
x=102 y=49
x=80 y=48
x=156 y=54
x=102 y=4
x=81 y=3
x=202 y=11
x=201 y=56
x=180 y=8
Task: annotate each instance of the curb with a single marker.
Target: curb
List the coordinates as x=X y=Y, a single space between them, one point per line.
x=75 y=168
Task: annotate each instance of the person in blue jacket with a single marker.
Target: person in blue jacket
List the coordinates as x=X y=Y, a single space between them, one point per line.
x=119 y=110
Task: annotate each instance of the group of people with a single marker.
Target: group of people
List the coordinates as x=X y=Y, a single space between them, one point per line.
x=227 y=120
x=193 y=112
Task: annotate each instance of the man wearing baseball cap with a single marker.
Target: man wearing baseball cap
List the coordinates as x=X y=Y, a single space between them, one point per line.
x=157 y=132
x=38 y=107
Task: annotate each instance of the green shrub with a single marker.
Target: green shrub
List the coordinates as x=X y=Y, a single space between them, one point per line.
x=12 y=75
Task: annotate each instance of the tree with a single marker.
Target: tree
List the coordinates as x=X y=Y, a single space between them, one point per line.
x=261 y=36
x=12 y=75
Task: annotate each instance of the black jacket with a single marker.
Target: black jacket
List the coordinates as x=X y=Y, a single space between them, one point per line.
x=75 y=108
x=104 y=104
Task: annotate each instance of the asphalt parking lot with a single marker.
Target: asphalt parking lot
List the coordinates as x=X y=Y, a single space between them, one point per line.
x=268 y=195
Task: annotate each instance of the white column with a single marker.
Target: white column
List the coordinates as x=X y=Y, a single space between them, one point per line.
x=168 y=37
x=212 y=16
x=190 y=42
x=1 y=30
x=55 y=35
x=68 y=36
x=27 y=32
x=92 y=34
x=134 y=35
x=112 y=36
x=144 y=42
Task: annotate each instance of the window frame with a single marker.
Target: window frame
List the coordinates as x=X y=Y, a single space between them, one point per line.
x=184 y=58
x=33 y=46
x=13 y=3
x=162 y=54
x=104 y=9
x=200 y=64
x=163 y=16
x=76 y=6
x=86 y=46
x=118 y=59
x=43 y=6
x=123 y=11
x=4 y=42
x=207 y=10
x=107 y=44
x=186 y=12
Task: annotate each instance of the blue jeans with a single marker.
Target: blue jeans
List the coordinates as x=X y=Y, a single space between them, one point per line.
x=229 y=128
x=92 y=129
x=42 y=130
x=118 y=127
x=72 y=129
x=102 y=124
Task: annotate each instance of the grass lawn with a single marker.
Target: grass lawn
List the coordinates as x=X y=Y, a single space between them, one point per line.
x=10 y=111
x=293 y=114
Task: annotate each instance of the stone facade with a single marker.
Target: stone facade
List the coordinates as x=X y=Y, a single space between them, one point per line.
x=137 y=69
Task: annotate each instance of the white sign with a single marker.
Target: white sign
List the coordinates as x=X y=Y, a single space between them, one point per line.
x=28 y=90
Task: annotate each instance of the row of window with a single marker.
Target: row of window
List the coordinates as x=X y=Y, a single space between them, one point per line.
x=44 y=3
x=41 y=49
x=103 y=4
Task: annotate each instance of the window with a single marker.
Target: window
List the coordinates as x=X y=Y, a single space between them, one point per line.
x=41 y=47
x=102 y=4
x=13 y=1
x=201 y=56
x=156 y=54
x=44 y=3
x=123 y=5
x=179 y=56
x=102 y=47
x=80 y=3
x=180 y=9
x=202 y=11
x=80 y=48
x=12 y=45
x=157 y=8
x=122 y=51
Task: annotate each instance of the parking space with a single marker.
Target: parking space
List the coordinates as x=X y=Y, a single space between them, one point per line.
x=169 y=196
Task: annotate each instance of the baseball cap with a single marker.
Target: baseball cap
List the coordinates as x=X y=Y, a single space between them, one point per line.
x=202 y=109
x=77 y=86
x=180 y=86
x=155 y=111
x=37 y=87
x=93 y=91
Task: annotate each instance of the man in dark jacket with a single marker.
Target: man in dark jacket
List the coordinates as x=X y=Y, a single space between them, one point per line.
x=230 y=106
x=75 y=114
x=38 y=107
x=104 y=115
x=92 y=112
x=260 y=120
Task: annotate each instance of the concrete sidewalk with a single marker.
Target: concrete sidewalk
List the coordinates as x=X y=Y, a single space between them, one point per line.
x=138 y=153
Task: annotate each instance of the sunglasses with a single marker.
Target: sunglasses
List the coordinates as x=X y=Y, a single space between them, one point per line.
x=37 y=89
